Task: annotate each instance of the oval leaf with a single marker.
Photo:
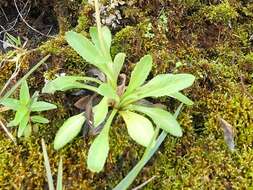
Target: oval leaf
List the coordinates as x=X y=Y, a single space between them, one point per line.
x=140 y=73
x=161 y=118
x=139 y=128
x=98 y=151
x=42 y=106
x=63 y=83
x=68 y=130
x=39 y=119
x=84 y=47
x=165 y=84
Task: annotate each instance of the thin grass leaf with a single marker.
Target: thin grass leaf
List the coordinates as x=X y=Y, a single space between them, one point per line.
x=47 y=166
x=118 y=64
x=11 y=91
x=59 y=176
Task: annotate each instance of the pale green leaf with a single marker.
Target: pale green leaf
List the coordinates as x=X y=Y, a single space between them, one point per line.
x=63 y=83
x=139 y=128
x=182 y=98
x=22 y=125
x=161 y=118
x=98 y=151
x=165 y=85
x=68 y=130
x=20 y=114
x=39 y=119
x=107 y=38
x=140 y=73
x=84 y=47
x=27 y=131
x=42 y=106
x=118 y=63
x=100 y=111
x=106 y=90
x=11 y=103
x=24 y=95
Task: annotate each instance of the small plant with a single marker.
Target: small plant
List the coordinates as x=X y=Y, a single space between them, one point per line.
x=23 y=107
x=127 y=100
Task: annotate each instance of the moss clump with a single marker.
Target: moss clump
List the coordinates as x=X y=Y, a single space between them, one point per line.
x=223 y=12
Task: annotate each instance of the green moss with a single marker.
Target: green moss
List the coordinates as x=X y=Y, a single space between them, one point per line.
x=223 y=12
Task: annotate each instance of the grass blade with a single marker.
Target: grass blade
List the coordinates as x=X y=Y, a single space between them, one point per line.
x=59 y=176
x=11 y=91
x=127 y=181
x=47 y=166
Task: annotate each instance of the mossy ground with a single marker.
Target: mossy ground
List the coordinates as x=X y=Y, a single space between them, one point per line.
x=210 y=39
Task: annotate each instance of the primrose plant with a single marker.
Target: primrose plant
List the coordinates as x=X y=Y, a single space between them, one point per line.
x=23 y=107
x=125 y=100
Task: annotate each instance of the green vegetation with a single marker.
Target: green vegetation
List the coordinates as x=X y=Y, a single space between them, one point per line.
x=23 y=107
x=216 y=50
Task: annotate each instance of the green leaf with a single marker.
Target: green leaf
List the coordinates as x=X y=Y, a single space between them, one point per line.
x=68 y=130
x=165 y=85
x=107 y=37
x=66 y=83
x=11 y=103
x=149 y=152
x=106 y=90
x=24 y=95
x=118 y=63
x=139 y=128
x=100 y=111
x=161 y=118
x=20 y=114
x=99 y=149
x=182 y=98
x=23 y=125
x=39 y=119
x=42 y=106
x=140 y=73
x=84 y=47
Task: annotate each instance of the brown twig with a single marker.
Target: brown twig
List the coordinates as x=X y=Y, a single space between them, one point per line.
x=244 y=88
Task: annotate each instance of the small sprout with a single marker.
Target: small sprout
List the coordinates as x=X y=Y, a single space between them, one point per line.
x=23 y=107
